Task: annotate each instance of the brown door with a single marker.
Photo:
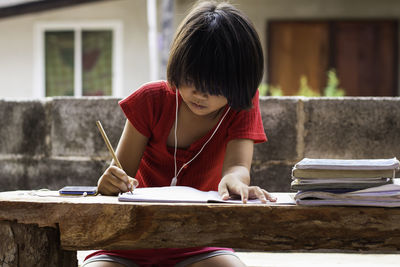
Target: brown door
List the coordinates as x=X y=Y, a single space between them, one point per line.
x=364 y=53
x=296 y=49
x=365 y=56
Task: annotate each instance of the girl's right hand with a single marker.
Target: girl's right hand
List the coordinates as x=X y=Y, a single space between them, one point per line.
x=114 y=180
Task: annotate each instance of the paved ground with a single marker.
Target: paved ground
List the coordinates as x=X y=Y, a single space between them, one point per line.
x=257 y=259
x=319 y=259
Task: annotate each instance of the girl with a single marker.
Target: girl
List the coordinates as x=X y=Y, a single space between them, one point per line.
x=197 y=129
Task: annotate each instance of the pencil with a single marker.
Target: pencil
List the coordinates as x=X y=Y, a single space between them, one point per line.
x=110 y=148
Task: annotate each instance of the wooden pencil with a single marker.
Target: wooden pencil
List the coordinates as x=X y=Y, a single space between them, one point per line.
x=110 y=148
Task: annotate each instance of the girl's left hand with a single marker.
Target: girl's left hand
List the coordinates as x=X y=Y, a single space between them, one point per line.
x=232 y=186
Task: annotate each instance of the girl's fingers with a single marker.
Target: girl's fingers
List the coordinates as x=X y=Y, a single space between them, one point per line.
x=115 y=180
x=119 y=179
x=105 y=186
x=119 y=184
x=223 y=191
x=257 y=192
x=261 y=194
x=244 y=193
x=111 y=189
x=269 y=196
x=119 y=173
x=133 y=182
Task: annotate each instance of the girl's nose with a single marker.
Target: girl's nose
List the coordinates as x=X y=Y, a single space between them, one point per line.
x=199 y=94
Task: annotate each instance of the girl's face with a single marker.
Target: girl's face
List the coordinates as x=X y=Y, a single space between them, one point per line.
x=201 y=103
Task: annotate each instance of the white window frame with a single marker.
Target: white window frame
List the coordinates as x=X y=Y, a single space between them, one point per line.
x=40 y=28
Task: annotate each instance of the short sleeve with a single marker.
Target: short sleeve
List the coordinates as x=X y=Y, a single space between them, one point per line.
x=247 y=124
x=140 y=107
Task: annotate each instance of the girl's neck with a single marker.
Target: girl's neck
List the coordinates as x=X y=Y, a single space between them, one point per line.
x=192 y=127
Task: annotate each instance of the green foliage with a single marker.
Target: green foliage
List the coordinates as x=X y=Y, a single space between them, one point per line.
x=271 y=90
x=331 y=90
x=305 y=89
x=275 y=90
x=263 y=89
x=332 y=84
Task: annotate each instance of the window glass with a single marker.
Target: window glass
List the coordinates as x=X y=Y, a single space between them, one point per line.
x=59 y=63
x=96 y=63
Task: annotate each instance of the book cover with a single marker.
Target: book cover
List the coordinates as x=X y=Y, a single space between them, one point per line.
x=348 y=164
x=310 y=184
x=319 y=174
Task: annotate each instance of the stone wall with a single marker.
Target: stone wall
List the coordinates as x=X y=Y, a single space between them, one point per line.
x=55 y=142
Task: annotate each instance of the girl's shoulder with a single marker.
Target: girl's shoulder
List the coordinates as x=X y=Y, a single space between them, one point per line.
x=156 y=88
x=151 y=92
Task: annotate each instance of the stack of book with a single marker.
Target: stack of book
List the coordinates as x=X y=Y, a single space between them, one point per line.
x=367 y=182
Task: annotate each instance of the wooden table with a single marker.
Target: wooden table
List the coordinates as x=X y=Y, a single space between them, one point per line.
x=39 y=228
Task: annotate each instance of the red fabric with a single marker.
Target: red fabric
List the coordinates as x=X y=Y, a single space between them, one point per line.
x=151 y=110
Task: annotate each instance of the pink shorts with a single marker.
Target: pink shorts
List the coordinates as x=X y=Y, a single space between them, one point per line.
x=165 y=257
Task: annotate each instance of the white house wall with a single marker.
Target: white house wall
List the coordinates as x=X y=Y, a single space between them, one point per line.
x=17 y=43
x=16 y=58
x=16 y=33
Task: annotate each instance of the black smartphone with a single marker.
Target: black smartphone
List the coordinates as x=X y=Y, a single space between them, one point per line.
x=78 y=190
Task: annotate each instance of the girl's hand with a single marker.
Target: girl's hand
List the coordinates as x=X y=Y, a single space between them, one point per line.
x=230 y=185
x=114 y=180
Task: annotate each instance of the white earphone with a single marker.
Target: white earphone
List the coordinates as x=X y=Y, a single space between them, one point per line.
x=175 y=178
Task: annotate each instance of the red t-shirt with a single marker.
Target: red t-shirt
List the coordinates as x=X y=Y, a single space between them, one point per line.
x=151 y=110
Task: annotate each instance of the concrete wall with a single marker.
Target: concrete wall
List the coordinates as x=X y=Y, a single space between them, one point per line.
x=55 y=142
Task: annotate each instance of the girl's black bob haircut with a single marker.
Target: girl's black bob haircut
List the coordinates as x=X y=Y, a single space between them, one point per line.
x=217 y=50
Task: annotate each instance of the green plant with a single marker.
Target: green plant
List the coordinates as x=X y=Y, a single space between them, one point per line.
x=305 y=89
x=271 y=90
x=331 y=90
x=332 y=84
x=263 y=89
x=275 y=90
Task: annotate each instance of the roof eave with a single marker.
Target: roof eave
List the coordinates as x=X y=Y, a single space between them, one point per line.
x=39 y=6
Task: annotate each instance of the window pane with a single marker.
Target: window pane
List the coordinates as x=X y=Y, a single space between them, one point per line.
x=96 y=63
x=59 y=61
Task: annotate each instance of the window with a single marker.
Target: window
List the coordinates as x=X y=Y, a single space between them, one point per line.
x=78 y=59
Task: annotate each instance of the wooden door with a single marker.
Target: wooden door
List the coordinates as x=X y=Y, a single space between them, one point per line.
x=364 y=54
x=296 y=49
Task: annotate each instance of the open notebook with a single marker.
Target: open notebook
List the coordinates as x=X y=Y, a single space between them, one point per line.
x=185 y=194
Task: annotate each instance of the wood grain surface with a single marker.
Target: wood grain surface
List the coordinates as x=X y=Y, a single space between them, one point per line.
x=102 y=222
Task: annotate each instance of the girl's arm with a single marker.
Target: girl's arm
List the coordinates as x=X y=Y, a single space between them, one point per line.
x=236 y=172
x=129 y=152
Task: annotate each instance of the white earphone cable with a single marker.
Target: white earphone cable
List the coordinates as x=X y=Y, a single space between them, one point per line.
x=175 y=179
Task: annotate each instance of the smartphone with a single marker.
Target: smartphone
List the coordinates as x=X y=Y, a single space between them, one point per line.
x=78 y=190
